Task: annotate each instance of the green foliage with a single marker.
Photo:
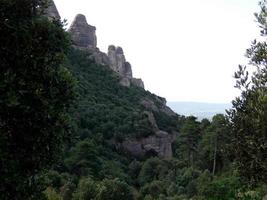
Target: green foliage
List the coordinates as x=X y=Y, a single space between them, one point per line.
x=87 y=190
x=222 y=188
x=214 y=144
x=51 y=194
x=187 y=141
x=83 y=159
x=113 y=190
x=35 y=94
x=154 y=189
x=104 y=190
x=104 y=105
x=249 y=114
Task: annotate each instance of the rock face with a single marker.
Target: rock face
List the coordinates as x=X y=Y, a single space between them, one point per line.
x=159 y=145
x=52 y=12
x=162 y=107
x=83 y=34
x=137 y=82
x=118 y=62
x=84 y=37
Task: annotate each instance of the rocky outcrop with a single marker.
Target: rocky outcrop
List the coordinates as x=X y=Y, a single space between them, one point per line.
x=118 y=62
x=52 y=12
x=157 y=106
x=137 y=82
x=84 y=37
x=83 y=34
x=159 y=145
x=96 y=55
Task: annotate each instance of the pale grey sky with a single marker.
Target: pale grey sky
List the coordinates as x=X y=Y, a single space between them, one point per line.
x=184 y=50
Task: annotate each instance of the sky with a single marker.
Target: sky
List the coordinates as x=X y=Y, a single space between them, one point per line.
x=184 y=50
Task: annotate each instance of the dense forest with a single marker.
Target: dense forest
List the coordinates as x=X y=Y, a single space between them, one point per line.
x=64 y=120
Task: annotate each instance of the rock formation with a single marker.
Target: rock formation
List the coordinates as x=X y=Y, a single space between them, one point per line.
x=159 y=145
x=137 y=82
x=52 y=12
x=84 y=37
x=83 y=34
x=161 y=106
x=118 y=62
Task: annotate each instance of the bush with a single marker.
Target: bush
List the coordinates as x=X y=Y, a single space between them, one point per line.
x=114 y=190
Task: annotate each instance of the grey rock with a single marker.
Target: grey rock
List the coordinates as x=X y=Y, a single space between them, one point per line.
x=84 y=38
x=128 y=70
x=168 y=111
x=164 y=108
x=119 y=50
x=159 y=144
x=51 y=12
x=117 y=60
x=125 y=82
x=152 y=121
x=82 y=34
x=149 y=105
x=137 y=82
x=159 y=105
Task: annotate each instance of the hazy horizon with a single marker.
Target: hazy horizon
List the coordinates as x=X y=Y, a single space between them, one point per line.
x=183 y=50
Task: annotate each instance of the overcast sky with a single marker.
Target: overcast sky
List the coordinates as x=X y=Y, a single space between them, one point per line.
x=184 y=50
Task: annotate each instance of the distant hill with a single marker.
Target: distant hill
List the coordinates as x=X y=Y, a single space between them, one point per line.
x=199 y=109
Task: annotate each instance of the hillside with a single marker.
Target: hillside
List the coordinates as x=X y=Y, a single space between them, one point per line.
x=115 y=111
x=128 y=144
x=75 y=124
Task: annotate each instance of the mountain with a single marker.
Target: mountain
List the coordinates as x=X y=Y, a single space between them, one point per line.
x=199 y=109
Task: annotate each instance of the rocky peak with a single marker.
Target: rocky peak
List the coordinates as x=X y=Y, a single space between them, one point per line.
x=118 y=62
x=84 y=37
x=52 y=12
x=83 y=34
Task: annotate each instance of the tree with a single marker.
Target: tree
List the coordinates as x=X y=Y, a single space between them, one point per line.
x=188 y=140
x=87 y=190
x=248 y=116
x=113 y=190
x=35 y=94
x=212 y=148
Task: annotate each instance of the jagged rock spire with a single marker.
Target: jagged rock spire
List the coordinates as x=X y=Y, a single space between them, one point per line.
x=83 y=34
x=84 y=37
x=118 y=61
x=52 y=12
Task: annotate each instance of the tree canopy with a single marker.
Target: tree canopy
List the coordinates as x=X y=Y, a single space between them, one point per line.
x=35 y=94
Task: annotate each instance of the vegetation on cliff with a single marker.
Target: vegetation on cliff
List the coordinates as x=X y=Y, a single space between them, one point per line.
x=221 y=159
